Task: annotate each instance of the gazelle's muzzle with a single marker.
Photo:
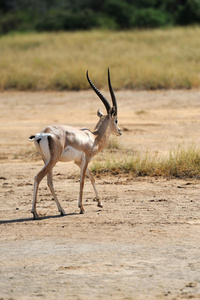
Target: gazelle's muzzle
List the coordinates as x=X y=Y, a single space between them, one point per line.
x=119 y=131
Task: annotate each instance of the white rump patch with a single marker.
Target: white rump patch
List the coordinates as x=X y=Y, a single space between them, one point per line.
x=42 y=144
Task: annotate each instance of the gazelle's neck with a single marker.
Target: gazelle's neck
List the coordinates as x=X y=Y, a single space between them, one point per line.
x=102 y=132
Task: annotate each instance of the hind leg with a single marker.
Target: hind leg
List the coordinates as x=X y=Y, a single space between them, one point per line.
x=51 y=187
x=45 y=170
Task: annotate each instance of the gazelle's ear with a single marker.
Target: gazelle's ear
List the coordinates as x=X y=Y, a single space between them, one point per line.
x=99 y=113
x=112 y=111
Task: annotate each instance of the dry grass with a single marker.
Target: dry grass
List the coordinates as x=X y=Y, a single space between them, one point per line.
x=180 y=163
x=114 y=143
x=27 y=155
x=164 y=58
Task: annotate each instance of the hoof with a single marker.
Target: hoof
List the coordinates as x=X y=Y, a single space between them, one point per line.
x=35 y=216
x=62 y=213
x=100 y=204
x=82 y=211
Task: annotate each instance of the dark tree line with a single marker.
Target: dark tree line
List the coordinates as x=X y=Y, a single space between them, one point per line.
x=54 y=15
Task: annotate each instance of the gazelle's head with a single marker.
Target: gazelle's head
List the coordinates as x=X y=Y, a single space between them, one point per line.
x=111 y=111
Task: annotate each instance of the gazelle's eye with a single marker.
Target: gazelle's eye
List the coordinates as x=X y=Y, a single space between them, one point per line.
x=116 y=121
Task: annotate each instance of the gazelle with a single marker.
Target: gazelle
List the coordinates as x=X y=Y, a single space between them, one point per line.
x=64 y=143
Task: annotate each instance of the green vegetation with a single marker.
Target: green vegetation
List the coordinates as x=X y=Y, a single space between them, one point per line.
x=181 y=163
x=52 y=15
x=156 y=59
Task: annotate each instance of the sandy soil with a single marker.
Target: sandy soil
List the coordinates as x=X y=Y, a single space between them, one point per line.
x=143 y=244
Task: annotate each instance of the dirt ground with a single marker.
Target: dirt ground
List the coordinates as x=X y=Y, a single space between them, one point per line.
x=143 y=244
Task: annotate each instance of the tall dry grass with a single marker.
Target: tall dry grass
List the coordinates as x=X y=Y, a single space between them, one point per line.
x=163 y=58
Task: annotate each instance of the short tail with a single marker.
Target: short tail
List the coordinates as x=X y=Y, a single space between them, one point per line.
x=32 y=138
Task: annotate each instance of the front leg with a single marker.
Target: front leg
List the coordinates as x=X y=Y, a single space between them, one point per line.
x=83 y=167
x=89 y=174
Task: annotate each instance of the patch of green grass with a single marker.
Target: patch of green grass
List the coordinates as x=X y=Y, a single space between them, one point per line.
x=146 y=59
x=180 y=163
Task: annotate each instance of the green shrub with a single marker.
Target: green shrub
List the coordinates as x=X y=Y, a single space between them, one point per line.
x=120 y=11
x=56 y=20
x=148 y=18
x=52 y=21
x=53 y=15
x=106 y=22
x=188 y=13
x=81 y=20
x=8 y=22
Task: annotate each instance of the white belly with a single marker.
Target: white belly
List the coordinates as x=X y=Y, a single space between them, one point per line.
x=71 y=153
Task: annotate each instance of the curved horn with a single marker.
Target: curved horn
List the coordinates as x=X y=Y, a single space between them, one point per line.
x=103 y=99
x=114 y=101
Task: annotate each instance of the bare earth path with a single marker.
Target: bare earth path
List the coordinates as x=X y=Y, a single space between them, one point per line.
x=143 y=244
